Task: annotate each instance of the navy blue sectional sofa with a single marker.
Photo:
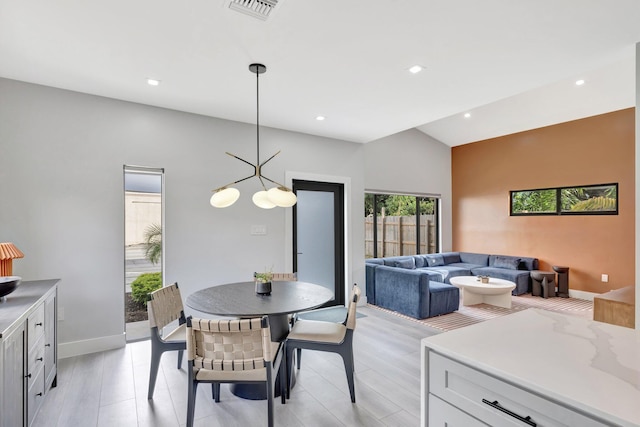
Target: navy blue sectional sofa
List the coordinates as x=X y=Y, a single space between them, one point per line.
x=418 y=285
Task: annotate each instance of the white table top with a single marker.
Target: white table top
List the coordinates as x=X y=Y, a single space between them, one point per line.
x=591 y=366
x=473 y=281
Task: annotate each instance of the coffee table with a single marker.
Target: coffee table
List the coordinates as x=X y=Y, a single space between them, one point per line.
x=497 y=292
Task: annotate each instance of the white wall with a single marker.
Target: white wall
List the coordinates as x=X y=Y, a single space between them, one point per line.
x=61 y=191
x=412 y=162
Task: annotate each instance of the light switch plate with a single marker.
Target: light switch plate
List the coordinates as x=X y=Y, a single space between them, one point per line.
x=258 y=230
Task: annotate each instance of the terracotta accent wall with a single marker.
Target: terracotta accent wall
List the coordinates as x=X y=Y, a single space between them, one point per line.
x=595 y=150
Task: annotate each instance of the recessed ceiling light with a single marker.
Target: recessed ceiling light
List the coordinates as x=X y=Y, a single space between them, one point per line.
x=320 y=118
x=153 y=82
x=467 y=115
x=415 y=69
x=579 y=82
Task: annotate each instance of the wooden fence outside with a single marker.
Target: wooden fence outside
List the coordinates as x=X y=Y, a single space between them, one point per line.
x=397 y=235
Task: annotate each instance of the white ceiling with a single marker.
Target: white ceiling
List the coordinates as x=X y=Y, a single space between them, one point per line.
x=511 y=63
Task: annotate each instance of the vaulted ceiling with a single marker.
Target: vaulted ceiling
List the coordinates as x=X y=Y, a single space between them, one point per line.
x=512 y=65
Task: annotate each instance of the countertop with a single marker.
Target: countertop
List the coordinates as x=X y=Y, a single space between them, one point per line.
x=20 y=300
x=587 y=365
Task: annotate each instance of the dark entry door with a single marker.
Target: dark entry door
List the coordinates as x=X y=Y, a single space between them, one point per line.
x=318 y=235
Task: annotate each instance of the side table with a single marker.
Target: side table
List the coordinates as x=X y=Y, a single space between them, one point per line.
x=563 y=280
x=543 y=283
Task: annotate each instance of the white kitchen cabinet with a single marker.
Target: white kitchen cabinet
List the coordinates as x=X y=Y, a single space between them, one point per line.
x=28 y=343
x=532 y=368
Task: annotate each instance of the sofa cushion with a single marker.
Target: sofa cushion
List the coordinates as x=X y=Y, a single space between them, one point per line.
x=473 y=258
x=420 y=261
x=519 y=277
x=450 y=257
x=408 y=263
x=507 y=262
x=435 y=260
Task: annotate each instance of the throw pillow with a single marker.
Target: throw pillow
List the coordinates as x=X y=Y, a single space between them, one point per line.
x=406 y=263
x=435 y=260
x=420 y=261
x=506 y=262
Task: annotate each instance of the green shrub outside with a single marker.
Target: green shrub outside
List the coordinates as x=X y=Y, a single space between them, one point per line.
x=144 y=284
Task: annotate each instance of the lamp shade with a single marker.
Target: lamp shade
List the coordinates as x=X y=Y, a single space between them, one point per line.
x=282 y=196
x=8 y=252
x=225 y=197
x=261 y=200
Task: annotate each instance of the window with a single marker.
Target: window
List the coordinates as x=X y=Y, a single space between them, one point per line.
x=581 y=200
x=404 y=225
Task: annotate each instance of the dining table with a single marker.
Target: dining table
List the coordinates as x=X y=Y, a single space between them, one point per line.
x=241 y=300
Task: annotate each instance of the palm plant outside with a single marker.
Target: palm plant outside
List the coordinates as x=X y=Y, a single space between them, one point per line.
x=153 y=243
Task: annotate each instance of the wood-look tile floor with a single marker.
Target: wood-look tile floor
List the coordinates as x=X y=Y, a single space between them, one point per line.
x=110 y=388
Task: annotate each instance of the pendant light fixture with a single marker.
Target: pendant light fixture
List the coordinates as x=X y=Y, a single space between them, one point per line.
x=279 y=195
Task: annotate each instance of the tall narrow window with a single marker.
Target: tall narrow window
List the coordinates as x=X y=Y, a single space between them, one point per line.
x=143 y=212
x=397 y=224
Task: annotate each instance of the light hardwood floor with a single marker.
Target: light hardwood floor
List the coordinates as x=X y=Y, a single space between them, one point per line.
x=110 y=388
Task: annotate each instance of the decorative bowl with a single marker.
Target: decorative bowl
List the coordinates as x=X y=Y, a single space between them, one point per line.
x=8 y=284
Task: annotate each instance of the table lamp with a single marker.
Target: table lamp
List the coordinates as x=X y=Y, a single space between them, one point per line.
x=8 y=252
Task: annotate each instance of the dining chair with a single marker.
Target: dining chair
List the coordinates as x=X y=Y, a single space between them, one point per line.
x=233 y=351
x=164 y=308
x=325 y=336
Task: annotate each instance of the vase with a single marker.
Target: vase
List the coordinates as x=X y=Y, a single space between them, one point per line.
x=263 y=288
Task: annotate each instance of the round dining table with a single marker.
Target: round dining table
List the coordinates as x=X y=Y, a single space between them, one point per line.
x=241 y=300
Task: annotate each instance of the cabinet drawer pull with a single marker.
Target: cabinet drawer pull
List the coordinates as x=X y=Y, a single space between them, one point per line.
x=39 y=324
x=28 y=376
x=38 y=394
x=40 y=359
x=497 y=406
x=47 y=345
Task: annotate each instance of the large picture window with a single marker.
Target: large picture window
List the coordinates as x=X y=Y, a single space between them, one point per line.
x=581 y=200
x=400 y=225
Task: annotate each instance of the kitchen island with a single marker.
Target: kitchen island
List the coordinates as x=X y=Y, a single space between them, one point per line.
x=532 y=368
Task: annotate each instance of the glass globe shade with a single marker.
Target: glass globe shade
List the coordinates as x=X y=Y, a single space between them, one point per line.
x=282 y=197
x=261 y=200
x=224 y=198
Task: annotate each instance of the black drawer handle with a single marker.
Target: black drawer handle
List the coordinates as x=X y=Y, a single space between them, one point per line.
x=47 y=345
x=39 y=324
x=38 y=394
x=40 y=359
x=497 y=406
x=28 y=376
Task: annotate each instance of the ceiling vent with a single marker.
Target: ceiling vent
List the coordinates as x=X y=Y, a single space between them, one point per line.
x=260 y=9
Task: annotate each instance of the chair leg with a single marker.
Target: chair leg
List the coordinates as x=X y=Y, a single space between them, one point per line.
x=282 y=375
x=180 y=354
x=288 y=361
x=191 y=402
x=153 y=370
x=215 y=391
x=347 y=359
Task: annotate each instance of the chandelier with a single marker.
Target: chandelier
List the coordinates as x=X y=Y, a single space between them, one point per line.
x=279 y=195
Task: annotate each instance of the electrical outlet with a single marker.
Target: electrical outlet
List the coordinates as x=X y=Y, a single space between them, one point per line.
x=60 y=313
x=605 y=278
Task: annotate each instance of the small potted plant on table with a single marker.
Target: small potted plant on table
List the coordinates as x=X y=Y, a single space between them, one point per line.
x=263 y=282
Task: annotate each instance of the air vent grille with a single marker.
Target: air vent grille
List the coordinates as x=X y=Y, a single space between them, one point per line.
x=260 y=9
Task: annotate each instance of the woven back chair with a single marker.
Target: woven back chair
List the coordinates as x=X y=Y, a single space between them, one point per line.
x=232 y=351
x=164 y=308
x=285 y=277
x=325 y=336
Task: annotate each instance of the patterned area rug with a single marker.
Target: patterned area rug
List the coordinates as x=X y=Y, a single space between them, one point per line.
x=468 y=315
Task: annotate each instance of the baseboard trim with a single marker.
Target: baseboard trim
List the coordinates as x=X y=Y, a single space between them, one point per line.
x=582 y=294
x=94 y=345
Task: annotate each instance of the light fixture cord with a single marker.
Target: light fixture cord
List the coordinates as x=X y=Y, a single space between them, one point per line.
x=258 y=118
